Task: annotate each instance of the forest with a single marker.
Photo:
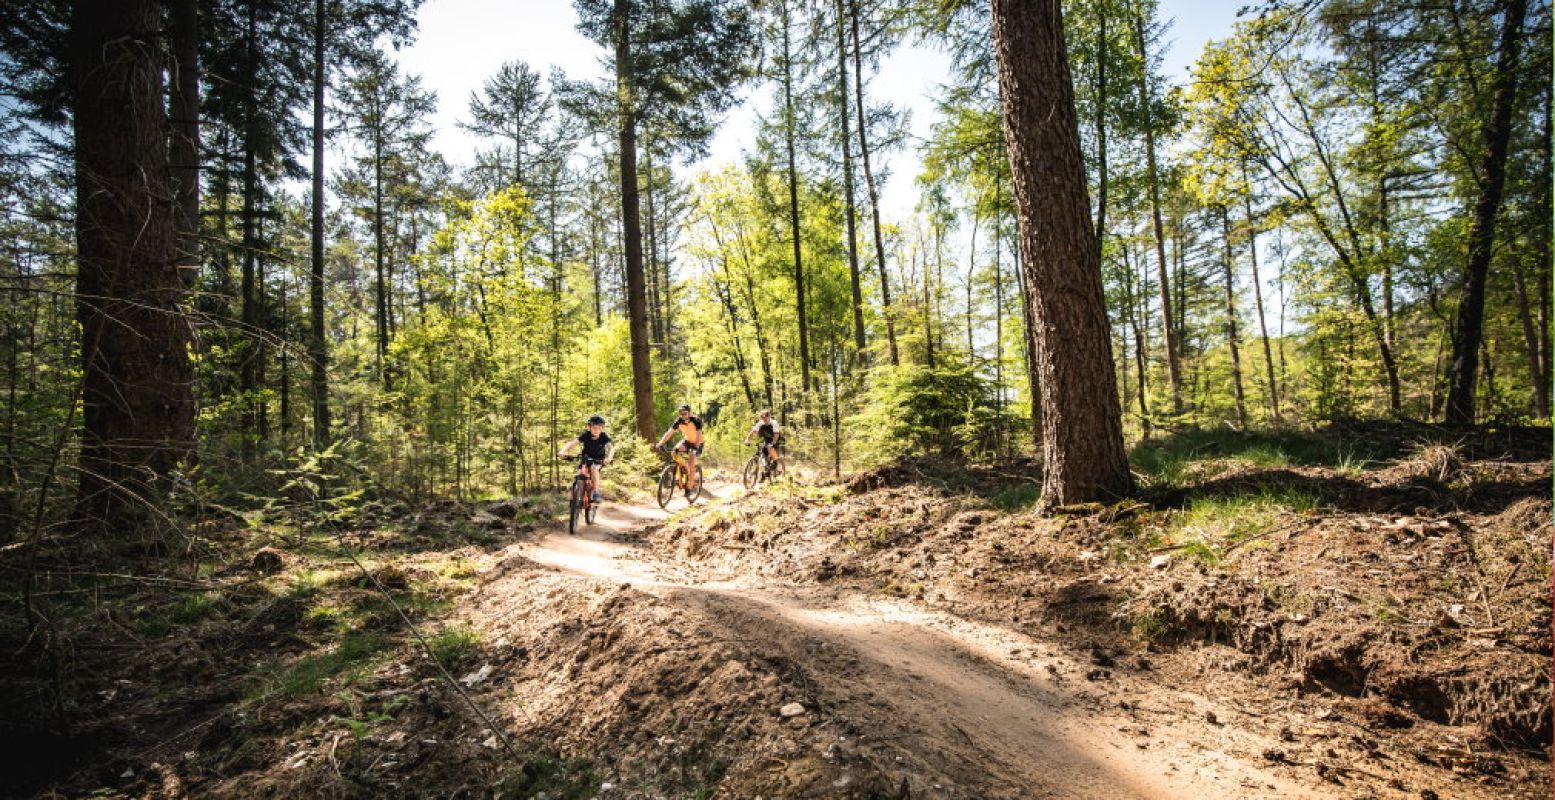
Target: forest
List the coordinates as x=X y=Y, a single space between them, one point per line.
x=268 y=352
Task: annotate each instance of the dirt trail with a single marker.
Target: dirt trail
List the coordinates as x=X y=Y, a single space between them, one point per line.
x=964 y=709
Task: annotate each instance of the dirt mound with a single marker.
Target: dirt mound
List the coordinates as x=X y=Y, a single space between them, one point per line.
x=654 y=697
x=1414 y=625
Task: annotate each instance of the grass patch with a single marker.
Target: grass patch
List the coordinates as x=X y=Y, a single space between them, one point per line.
x=350 y=660
x=194 y=607
x=1208 y=525
x=1019 y=497
x=455 y=646
x=1175 y=459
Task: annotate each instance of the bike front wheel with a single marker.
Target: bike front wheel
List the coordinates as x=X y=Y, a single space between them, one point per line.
x=752 y=473
x=574 y=502
x=666 y=485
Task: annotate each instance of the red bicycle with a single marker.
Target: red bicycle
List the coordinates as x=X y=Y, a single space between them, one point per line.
x=580 y=498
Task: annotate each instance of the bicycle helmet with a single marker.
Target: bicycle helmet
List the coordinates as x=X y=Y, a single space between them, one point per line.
x=596 y=420
x=685 y=407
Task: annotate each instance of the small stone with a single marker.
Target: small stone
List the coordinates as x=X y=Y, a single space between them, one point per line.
x=1209 y=716
x=1160 y=561
x=791 y=710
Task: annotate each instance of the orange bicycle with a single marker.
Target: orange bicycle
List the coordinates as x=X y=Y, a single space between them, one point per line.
x=675 y=476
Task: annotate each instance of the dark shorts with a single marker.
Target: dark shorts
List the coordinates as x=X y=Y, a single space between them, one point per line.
x=691 y=448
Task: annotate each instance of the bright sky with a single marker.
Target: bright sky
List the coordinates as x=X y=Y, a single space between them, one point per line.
x=462 y=42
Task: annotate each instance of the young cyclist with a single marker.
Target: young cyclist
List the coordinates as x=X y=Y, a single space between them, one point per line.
x=769 y=430
x=691 y=440
x=597 y=449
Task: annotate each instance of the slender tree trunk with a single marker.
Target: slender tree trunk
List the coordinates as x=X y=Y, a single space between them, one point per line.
x=1263 y=325
x=651 y=255
x=380 y=246
x=1232 y=335
x=869 y=182
x=318 y=347
x=1101 y=126
x=845 y=128
x=1541 y=390
x=971 y=273
x=136 y=379
x=1083 y=456
x=184 y=113
x=998 y=295
x=1497 y=133
x=631 y=226
x=1033 y=380
x=1132 y=303
x=793 y=203
x=1153 y=176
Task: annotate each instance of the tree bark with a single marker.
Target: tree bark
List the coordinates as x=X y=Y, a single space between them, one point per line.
x=1497 y=133
x=1153 y=175
x=631 y=225
x=1231 y=326
x=318 y=347
x=184 y=119
x=850 y=207
x=1082 y=438
x=1263 y=325
x=793 y=203
x=136 y=382
x=869 y=182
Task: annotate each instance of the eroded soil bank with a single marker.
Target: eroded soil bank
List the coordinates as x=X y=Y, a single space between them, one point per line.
x=1256 y=626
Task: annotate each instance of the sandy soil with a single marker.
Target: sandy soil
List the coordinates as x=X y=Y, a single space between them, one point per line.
x=945 y=706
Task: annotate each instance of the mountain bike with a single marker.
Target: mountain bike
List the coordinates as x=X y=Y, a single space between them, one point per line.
x=674 y=476
x=761 y=467
x=580 y=498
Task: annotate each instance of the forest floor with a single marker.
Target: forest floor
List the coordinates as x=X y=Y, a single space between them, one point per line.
x=1362 y=612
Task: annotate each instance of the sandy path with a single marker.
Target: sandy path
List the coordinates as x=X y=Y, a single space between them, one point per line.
x=989 y=711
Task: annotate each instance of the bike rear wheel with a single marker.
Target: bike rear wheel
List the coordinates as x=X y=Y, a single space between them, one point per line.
x=694 y=487
x=666 y=485
x=574 y=501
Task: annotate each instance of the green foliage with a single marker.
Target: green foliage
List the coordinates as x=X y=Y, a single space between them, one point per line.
x=915 y=409
x=455 y=646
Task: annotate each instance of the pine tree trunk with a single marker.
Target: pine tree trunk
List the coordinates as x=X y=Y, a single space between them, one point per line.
x=631 y=227
x=1232 y=335
x=184 y=121
x=318 y=347
x=1083 y=457
x=1153 y=176
x=869 y=182
x=1497 y=133
x=137 y=404
x=793 y=204
x=1263 y=325
x=1101 y=126
x=850 y=206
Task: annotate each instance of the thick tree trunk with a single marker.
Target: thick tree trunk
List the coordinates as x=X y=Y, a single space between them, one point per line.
x=845 y=127
x=793 y=205
x=1232 y=336
x=1497 y=133
x=136 y=381
x=1082 y=437
x=318 y=347
x=869 y=182
x=631 y=227
x=184 y=119
x=1153 y=175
